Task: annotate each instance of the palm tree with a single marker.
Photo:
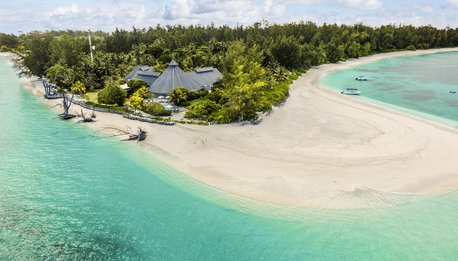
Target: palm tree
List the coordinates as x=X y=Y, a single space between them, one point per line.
x=179 y=95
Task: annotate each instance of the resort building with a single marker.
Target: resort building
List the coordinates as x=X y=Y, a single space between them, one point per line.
x=173 y=77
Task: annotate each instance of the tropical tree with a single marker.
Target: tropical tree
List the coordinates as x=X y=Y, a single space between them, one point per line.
x=112 y=94
x=144 y=92
x=136 y=84
x=244 y=83
x=156 y=109
x=202 y=109
x=138 y=98
x=136 y=101
x=78 y=88
x=61 y=75
x=287 y=52
x=179 y=95
x=66 y=49
x=36 y=57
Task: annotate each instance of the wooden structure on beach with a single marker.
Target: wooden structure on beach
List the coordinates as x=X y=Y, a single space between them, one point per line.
x=50 y=91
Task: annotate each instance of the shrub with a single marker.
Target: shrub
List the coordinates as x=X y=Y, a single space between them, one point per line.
x=411 y=48
x=202 y=109
x=61 y=75
x=185 y=104
x=136 y=84
x=194 y=95
x=214 y=96
x=179 y=95
x=278 y=93
x=223 y=115
x=112 y=94
x=143 y=92
x=115 y=108
x=295 y=76
x=4 y=49
x=78 y=88
x=156 y=109
x=136 y=101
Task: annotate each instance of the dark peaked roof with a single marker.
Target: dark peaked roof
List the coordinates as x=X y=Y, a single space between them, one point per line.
x=173 y=77
x=206 y=76
x=144 y=73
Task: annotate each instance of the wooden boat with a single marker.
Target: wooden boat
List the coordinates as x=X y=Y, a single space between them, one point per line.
x=351 y=91
x=361 y=78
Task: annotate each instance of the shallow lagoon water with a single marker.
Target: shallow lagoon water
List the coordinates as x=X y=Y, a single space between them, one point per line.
x=67 y=195
x=420 y=85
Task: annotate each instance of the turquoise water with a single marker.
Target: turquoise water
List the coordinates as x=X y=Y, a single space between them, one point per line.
x=65 y=195
x=417 y=83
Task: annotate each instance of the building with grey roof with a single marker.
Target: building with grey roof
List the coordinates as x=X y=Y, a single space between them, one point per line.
x=173 y=77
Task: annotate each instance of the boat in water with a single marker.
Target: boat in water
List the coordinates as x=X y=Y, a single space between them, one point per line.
x=351 y=91
x=361 y=78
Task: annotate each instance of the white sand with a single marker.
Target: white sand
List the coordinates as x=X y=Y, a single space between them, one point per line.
x=313 y=151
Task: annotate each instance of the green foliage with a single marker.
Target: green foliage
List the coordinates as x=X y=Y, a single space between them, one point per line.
x=144 y=92
x=4 y=48
x=9 y=41
x=182 y=97
x=65 y=49
x=112 y=94
x=194 y=95
x=277 y=73
x=136 y=101
x=244 y=83
x=287 y=52
x=61 y=75
x=411 y=48
x=202 y=109
x=179 y=95
x=156 y=109
x=224 y=115
x=111 y=107
x=136 y=84
x=335 y=52
x=214 y=96
x=262 y=55
x=37 y=58
x=138 y=98
x=278 y=93
x=78 y=88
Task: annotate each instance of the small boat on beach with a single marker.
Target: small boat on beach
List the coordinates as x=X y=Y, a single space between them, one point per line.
x=361 y=78
x=351 y=91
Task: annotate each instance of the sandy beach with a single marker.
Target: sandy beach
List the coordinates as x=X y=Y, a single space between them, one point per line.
x=320 y=149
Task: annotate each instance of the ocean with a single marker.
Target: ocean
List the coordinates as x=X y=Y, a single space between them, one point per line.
x=422 y=85
x=68 y=194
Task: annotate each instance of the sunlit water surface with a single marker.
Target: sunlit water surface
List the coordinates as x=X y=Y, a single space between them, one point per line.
x=67 y=195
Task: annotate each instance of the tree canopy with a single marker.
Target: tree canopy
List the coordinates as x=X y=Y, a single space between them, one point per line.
x=258 y=61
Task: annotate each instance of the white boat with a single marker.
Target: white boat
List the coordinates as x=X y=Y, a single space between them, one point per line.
x=351 y=91
x=361 y=78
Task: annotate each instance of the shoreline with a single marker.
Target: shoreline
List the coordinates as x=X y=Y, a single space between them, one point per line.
x=312 y=151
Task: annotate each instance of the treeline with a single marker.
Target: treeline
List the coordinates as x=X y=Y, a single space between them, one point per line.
x=256 y=60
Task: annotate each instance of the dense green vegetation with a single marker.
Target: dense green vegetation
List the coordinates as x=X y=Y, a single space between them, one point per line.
x=258 y=61
x=112 y=94
x=156 y=109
